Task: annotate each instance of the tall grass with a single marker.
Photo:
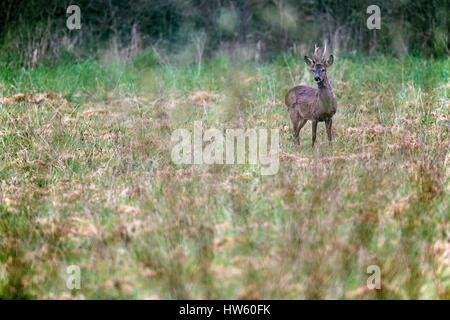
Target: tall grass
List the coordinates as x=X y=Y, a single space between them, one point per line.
x=91 y=183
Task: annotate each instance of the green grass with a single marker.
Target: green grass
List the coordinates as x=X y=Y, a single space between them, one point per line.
x=91 y=183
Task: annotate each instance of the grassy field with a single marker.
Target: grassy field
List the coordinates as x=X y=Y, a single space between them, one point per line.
x=87 y=180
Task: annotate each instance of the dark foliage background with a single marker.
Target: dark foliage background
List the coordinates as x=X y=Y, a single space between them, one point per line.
x=35 y=31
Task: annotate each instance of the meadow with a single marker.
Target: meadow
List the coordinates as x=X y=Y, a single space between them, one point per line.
x=87 y=179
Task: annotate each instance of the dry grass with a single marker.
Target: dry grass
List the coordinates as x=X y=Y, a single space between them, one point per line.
x=88 y=180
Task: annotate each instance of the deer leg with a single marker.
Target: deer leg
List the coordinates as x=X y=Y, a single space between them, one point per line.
x=329 y=124
x=314 y=132
x=295 y=124
x=295 y=134
x=299 y=127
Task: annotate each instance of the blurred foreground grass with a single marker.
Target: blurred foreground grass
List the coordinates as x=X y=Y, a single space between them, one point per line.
x=87 y=179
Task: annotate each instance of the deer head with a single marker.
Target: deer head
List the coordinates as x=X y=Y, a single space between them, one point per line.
x=319 y=64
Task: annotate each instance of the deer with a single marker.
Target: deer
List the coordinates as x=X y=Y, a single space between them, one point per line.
x=317 y=105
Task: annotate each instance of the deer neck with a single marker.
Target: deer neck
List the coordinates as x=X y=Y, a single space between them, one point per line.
x=326 y=95
x=325 y=89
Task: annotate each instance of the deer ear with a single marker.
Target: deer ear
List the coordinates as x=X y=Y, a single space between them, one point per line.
x=329 y=61
x=308 y=61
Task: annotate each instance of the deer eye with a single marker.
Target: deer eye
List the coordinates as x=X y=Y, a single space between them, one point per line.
x=323 y=70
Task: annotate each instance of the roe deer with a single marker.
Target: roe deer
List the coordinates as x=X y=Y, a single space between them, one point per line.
x=306 y=103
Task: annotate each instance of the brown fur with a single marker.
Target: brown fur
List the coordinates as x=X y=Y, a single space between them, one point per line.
x=306 y=103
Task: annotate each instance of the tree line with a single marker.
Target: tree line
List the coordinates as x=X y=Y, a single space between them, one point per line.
x=33 y=31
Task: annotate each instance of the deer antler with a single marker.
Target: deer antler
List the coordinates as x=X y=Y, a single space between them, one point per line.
x=316 y=53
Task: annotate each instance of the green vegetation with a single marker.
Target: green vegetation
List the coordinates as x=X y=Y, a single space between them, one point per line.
x=34 y=32
x=87 y=179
